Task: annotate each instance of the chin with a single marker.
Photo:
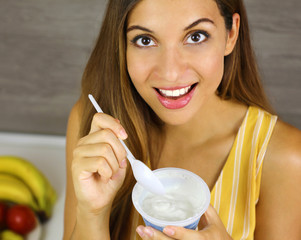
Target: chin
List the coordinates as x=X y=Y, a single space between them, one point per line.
x=176 y=117
x=176 y=122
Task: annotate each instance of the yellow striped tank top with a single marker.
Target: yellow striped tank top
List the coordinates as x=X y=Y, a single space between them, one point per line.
x=236 y=191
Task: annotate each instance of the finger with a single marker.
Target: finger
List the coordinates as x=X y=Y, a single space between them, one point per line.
x=92 y=166
x=99 y=150
x=209 y=222
x=103 y=121
x=211 y=216
x=98 y=135
x=149 y=233
x=183 y=233
x=105 y=136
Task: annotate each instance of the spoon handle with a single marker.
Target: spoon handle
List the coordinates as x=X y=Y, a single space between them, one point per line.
x=130 y=156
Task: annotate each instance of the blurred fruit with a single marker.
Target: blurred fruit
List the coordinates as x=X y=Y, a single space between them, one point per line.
x=3 y=211
x=14 y=190
x=10 y=235
x=35 y=234
x=21 y=219
x=34 y=179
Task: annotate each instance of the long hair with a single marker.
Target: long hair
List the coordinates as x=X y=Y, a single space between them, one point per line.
x=106 y=77
x=241 y=80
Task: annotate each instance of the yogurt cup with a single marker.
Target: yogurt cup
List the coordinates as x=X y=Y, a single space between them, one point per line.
x=186 y=200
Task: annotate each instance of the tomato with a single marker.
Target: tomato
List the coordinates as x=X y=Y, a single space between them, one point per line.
x=3 y=211
x=21 y=219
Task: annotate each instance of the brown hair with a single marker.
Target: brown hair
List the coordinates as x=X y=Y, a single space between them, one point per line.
x=107 y=79
x=241 y=80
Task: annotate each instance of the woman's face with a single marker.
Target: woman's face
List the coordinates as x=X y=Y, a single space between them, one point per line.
x=175 y=55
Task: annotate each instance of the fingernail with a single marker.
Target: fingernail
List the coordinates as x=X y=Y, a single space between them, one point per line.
x=149 y=232
x=122 y=134
x=169 y=231
x=139 y=230
x=123 y=163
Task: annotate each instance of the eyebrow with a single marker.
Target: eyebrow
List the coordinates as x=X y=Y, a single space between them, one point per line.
x=134 y=27
x=195 y=23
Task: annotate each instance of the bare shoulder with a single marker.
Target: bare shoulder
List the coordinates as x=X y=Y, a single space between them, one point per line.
x=74 y=117
x=72 y=137
x=286 y=140
x=278 y=210
x=73 y=128
x=285 y=147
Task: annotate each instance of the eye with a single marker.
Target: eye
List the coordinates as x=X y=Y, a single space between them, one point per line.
x=143 y=41
x=197 y=37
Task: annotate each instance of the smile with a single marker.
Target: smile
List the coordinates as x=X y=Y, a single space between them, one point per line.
x=175 y=93
x=175 y=98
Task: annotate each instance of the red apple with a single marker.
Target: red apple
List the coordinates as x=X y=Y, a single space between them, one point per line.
x=3 y=211
x=21 y=219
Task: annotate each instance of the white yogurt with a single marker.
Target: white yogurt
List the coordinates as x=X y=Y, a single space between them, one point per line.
x=173 y=206
x=187 y=198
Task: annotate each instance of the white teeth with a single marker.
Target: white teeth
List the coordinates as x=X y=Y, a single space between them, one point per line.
x=175 y=93
x=182 y=91
x=168 y=93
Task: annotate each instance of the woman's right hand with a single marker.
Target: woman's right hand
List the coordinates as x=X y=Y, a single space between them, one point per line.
x=99 y=165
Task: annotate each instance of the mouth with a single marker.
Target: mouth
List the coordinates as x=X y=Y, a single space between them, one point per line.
x=175 y=98
x=175 y=93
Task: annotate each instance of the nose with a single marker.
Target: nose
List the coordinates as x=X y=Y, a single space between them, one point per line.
x=171 y=64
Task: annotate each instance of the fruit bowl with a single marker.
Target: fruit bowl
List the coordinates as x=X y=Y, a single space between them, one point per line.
x=47 y=153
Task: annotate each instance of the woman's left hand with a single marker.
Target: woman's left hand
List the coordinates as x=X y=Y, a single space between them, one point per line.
x=212 y=228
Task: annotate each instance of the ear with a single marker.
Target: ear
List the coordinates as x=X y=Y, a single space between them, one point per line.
x=232 y=35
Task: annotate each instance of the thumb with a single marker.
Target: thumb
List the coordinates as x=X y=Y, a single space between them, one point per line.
x=209 y=217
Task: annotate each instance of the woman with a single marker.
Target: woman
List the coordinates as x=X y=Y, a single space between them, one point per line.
x=178 y=82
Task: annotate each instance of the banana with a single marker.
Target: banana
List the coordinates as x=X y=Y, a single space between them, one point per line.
x=14 y=190
x=33 y=178
x=10 y=235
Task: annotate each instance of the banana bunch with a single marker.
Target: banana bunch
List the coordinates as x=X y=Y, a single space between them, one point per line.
x=10 y=235
x=22 y=182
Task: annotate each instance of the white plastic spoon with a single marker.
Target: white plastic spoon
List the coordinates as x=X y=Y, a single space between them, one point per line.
x=143 y=175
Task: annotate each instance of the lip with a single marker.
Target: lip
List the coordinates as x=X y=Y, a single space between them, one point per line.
x=178 y=103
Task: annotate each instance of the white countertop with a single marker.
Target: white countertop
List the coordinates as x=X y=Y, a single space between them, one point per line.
x=48 y=154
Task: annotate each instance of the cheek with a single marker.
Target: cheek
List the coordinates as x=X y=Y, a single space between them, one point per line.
x=138 y=68
x=211 y=68
x=138 y=71
x=131 y=65
x=215 y=68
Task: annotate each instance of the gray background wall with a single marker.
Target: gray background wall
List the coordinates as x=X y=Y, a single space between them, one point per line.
x=44 y=46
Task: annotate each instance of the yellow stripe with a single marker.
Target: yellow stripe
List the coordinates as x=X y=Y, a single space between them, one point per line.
x=236 y=176
x=218 y=193
x=246 y=228
x=214 y=195
x=259 y=161
x=264 y=146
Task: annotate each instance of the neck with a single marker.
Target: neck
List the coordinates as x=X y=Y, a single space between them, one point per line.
x=217 y=118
